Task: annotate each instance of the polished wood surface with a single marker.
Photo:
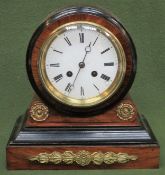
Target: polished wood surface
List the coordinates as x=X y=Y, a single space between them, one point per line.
x=148 y=157
x=109 y=118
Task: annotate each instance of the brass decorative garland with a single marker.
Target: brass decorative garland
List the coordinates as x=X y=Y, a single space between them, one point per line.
x=83 y=158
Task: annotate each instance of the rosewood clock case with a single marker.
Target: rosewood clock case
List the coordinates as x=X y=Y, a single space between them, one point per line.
x=114 y=136
x=88 y=15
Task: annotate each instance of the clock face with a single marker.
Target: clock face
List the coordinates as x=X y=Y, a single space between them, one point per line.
x=82 y=64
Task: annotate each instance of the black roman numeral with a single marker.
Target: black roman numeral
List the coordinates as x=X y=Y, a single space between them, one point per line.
x=68 y=87
x=105 y=50
x=55 y=65
x=95 y=41
x=67 y=40
x=96 y=87
x=109 y=64
x=81 y=35
x=57 y=51
x=82 y=91
x=105 y=77
x=58 y=77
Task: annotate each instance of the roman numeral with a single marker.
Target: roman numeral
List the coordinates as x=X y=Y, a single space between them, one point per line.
x=58 y=77
x=57 y=51
x=67 y=40
x=96 y=88
x=95 y=41
x=55 y=65
x=105 y=77
x=105 y=50
x=81 y=35
x=109 y=64
x=82 y=91
x=68 y=87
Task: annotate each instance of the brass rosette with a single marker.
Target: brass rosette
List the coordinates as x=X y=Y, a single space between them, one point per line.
x=125 y=111
x=39 y=112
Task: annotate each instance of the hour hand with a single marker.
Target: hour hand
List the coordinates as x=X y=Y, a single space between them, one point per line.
x=88 y=48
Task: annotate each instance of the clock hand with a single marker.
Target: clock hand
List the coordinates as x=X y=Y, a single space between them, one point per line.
x=76 y=77
x=87 y=50
x=82 y=64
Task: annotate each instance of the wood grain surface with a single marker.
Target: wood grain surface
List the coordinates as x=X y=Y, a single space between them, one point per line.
x=108 y=118
x=18 y=157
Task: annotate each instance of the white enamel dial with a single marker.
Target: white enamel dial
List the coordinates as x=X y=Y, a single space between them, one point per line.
x=81 y=62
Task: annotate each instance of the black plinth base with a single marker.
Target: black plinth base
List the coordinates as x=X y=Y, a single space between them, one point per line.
x=96 y=147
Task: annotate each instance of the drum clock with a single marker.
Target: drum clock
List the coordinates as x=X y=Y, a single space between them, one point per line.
x=81 y=61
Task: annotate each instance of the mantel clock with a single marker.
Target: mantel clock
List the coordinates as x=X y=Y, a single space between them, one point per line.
x=81 y=63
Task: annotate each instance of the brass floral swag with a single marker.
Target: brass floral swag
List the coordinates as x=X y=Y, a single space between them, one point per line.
x=83 y=158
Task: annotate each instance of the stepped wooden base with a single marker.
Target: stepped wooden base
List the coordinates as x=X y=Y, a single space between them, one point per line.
x=82 y=147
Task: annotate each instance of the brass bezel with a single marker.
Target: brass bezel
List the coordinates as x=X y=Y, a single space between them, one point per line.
x=82 y=102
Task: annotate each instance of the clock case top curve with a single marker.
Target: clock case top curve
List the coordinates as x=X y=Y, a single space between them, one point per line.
x=92 y=15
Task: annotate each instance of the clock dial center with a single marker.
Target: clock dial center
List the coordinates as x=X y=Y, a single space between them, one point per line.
x=81 y=65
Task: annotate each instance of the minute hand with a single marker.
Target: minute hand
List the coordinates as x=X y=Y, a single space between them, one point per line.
x=87 y=50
